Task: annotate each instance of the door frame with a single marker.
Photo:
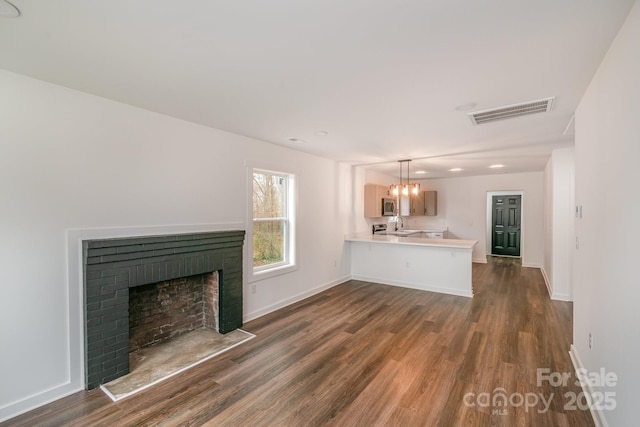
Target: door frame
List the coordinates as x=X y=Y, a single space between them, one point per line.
x=489 y=224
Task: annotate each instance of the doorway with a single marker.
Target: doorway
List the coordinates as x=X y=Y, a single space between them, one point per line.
x=504 y=223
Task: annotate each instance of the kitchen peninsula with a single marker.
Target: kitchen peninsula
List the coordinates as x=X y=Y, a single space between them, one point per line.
x=438 y=265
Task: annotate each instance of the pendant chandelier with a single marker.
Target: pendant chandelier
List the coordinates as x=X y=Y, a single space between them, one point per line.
x=404 y=189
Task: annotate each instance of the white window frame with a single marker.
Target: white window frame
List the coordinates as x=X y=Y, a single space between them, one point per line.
x=289 y=263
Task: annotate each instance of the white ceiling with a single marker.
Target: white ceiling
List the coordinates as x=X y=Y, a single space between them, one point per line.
x=382 y=77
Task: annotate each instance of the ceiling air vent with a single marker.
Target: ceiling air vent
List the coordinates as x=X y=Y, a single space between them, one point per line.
x=510 y=111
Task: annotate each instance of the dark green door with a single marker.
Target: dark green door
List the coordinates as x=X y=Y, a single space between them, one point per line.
x=506 y=225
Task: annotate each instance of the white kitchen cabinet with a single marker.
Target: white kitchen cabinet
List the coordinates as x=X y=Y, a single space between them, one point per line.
x=434 y=235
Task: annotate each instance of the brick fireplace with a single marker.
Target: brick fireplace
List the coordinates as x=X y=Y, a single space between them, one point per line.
x=187 y=268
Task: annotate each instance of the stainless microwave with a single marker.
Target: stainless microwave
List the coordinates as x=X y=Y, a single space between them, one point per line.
x=388 y=207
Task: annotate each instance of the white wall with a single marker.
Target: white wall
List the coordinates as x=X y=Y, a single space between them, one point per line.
x=69 y=160
x=606 y=284
x=559 y=214
x=462 y=207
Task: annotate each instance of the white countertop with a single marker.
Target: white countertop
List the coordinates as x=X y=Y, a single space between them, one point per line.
x=409 y=240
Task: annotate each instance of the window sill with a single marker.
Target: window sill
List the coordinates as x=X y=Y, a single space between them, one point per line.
x=271 y=272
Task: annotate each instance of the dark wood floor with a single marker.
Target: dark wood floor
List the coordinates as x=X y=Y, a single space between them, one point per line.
x=363 y=354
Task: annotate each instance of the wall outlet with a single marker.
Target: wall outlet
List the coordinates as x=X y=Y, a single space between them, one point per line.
x=590 y=340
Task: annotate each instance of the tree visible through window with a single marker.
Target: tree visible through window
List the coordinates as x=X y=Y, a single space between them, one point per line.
x=271 y=221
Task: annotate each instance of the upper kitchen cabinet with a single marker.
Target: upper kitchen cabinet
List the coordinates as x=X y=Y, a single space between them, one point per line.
x=373 y=195
x=430 y=203
x=412 y=205
x=423 y=204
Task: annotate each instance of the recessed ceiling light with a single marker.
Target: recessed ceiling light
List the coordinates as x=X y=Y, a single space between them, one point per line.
x=420 y=172
x=321 y=133
x=466 y=107
x=455 y=169
x=496 y=166
x=8 y=10
x=297 y=140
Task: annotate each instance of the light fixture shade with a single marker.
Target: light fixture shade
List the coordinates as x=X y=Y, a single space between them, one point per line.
x=405 y=188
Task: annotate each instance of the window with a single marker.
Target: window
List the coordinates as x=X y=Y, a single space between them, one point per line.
x=272 y=229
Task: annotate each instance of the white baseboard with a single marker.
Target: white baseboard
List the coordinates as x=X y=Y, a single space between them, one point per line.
x=561 y=297
x=36 y=400
x=547 y=282
x=479 y=260
x=597 y=415
x=554 y=295
x=531 y=265
x=419 y=286
x=273 y=307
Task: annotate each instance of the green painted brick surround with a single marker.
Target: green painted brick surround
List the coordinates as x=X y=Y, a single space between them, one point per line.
x=112 y=266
